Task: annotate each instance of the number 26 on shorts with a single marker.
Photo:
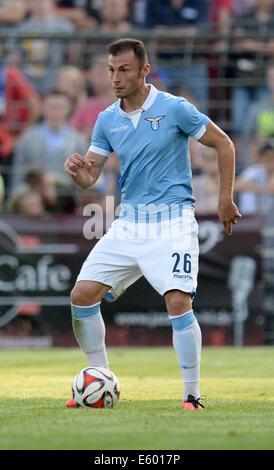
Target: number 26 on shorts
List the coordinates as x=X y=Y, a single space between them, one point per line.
x=186 y=263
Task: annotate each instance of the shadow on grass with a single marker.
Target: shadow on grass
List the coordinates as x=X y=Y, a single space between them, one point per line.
x=34 y=403
x=13 y=404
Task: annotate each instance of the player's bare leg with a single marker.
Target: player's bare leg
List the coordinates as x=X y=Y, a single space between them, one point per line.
x=187 y=344
x=88 y=324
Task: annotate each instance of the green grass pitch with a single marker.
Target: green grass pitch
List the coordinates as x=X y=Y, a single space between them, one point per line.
x=239 y=406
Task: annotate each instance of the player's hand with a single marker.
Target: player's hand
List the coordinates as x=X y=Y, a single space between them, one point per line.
x=76 y=162
x=228 y=214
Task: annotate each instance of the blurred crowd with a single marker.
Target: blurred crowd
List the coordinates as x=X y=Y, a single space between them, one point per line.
x=51 y=92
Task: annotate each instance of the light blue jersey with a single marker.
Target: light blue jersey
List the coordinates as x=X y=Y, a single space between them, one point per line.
x=152 y=147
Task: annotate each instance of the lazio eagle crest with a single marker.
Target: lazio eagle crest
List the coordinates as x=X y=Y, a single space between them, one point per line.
x=155 y=122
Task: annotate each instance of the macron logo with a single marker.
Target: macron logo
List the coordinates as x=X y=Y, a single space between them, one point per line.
x=118 y=129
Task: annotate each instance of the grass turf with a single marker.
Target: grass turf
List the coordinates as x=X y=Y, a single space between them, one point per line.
x=239 y=404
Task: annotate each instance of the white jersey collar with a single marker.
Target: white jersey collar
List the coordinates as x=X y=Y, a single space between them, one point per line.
x=153 y=92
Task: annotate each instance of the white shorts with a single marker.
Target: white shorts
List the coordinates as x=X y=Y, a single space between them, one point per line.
x=165 y=253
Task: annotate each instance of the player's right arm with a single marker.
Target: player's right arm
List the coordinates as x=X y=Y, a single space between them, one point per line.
x=85 y=171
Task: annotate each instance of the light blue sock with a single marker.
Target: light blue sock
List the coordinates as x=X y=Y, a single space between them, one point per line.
x=89 y=330
x=187 y=342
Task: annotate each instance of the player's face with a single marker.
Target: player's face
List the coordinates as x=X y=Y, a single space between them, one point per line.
x=126 y=75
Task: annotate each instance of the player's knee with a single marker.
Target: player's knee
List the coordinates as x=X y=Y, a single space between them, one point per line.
x=79 y=296
x=75 y=296
x=178 y=302
x=86 y=293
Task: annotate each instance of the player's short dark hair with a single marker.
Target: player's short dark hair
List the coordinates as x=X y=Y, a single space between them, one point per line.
x=129 y=44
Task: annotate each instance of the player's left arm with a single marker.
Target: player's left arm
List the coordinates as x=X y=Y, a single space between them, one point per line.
x=227 y=209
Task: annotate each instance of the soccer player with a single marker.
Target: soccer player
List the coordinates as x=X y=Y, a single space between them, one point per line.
x=156 y=234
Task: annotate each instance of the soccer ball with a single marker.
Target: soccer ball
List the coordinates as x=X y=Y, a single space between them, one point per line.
x=96 y=387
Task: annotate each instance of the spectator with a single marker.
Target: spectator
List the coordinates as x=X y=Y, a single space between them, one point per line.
x=184 y=17
x=249 y=58
x=255 y=185
x=12 y=12
x=138 y=12
x=114 y=16
x=221 y=15
x=28 y=202
x=49 y=143
x=259 y=122
x=176 y=13
x=19 y=102
x=240 y=8
x=85 y=115
x=206 y=185
x=71 y=81
x=38 y=180
x=42 y=58
x=79 y=12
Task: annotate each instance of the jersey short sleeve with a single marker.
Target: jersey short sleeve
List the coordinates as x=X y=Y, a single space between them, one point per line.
x=189 y=120
x=99 y=141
